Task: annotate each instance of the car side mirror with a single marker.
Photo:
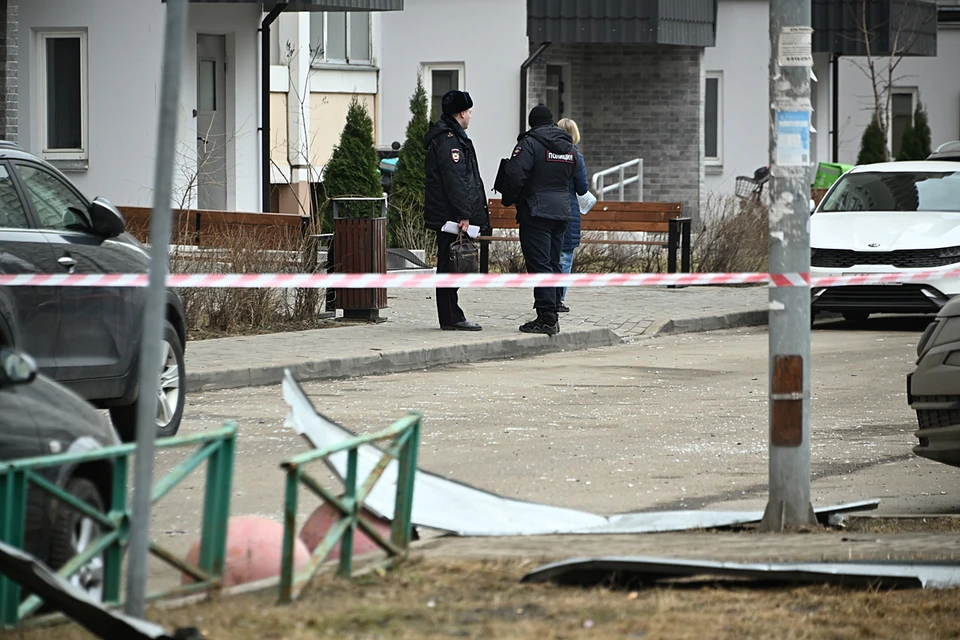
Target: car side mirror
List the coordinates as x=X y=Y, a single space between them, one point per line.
x=16 y=368
x=813 y=206
x=107 y=221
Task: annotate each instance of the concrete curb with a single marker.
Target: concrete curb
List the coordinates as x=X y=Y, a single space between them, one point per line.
x=404 y=360
x=755 y=318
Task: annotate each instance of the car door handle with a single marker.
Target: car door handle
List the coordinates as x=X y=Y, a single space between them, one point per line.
x=67 y=262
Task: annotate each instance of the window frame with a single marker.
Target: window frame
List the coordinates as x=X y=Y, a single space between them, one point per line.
x=426 y=75
x=563 y=101
x=46 y=151
x=713 y=161
x=321 y=60
x=914 y=94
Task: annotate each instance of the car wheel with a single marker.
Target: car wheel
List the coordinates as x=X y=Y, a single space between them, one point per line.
x=170 y=396
x=856 y=317
x=73 y=533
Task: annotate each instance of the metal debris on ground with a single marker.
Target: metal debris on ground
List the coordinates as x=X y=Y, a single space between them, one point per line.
x=631 y=572
x=29 y=572
x=455 y=507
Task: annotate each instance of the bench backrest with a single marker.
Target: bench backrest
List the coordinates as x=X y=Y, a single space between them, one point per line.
x=653 y=217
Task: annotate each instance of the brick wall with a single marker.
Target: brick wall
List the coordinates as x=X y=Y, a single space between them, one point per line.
x=635 y=101
x=8 y=69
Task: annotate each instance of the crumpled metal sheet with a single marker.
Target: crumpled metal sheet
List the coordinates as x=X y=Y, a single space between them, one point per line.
x=29 y=572
x=452 y=506
x=633 y=571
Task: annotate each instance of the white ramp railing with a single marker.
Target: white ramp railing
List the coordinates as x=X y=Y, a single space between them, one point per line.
x=600 y=187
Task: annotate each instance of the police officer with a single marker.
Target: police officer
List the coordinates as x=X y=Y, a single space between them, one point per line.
x=453 y=193
x=537 y=179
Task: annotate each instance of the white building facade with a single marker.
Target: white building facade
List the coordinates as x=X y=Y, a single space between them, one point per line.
x=737 y=101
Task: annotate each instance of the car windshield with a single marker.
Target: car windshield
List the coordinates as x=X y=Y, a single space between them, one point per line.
x=896 y=191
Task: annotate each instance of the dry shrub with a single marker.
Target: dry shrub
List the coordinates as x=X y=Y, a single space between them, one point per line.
x=213 y=312
x=732 y=236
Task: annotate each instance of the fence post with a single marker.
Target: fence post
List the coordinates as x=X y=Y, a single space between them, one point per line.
x=350 y=501
x=400 y=530
x=13 y=511
x=216 y=508
x=113 y=556
x=287 y=564
x=620 y=175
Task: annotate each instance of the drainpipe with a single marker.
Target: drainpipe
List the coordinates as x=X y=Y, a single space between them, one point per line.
x=523 y=83
x=836 y=107
x=265 y=102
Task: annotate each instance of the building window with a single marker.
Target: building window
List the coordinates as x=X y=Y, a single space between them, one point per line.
x=63 y=95
x=340 y=37
x=713 y=118
x=440 y=78
x=903 y=104
x=556 y=91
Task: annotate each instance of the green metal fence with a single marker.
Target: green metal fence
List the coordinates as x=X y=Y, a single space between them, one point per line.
x=405 y=435
x=18 y=477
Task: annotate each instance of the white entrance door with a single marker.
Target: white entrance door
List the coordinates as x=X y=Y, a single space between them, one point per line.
x=211 y=123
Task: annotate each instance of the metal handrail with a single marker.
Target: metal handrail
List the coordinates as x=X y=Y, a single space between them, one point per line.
x=216 y=449
x=405 y=435
x=600 y=188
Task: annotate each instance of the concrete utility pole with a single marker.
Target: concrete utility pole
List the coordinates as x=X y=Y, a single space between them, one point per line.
x=791 y=62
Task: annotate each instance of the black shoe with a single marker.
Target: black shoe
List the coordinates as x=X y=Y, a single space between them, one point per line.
x=540 y=326
x=563 y=308
x=464 y=325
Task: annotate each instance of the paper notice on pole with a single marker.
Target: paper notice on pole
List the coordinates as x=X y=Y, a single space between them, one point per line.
x=795 y=48
x=793 y=138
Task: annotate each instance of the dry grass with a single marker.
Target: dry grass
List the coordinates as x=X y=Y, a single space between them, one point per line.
x=486 y=600
x=222 y=312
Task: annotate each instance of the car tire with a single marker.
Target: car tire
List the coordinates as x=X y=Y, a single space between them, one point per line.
x=72 y=532
x=856 y=317
x=172 y=393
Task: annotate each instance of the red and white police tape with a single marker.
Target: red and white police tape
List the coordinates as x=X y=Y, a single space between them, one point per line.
x=469 y=280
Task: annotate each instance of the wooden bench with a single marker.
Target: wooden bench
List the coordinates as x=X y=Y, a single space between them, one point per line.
x=628 y=217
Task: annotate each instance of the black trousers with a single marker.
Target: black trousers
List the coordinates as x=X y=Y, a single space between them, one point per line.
x=541 y=241
x=448 y=303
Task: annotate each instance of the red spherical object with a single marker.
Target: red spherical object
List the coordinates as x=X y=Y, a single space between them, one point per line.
x=254 y=550
x=320 y=521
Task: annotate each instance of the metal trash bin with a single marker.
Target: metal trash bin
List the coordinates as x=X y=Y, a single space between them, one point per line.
x=360 y=246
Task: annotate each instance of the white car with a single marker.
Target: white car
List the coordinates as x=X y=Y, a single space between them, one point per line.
x=882 y=218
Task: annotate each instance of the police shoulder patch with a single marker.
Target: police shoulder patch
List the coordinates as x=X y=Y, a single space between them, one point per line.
x=517 y=151
x=455 y=155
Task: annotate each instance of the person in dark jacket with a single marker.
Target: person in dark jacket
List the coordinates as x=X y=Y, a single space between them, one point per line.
x=453 y=193
x=578 y=187
x=536 y=178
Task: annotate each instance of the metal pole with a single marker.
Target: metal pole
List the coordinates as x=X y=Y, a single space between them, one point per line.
x=151 y=340
x=791 y=60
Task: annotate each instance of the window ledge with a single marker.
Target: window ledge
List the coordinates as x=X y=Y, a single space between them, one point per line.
x=69 y=166
x=337 y=66
x=713 y=169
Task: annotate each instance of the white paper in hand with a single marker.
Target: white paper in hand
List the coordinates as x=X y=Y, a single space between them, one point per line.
x=587 y=202
x=452 y=227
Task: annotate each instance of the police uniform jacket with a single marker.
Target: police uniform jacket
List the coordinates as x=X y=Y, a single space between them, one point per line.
x=453 y=187
x=537 y=175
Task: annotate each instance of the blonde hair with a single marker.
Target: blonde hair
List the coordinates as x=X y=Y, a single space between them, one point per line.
x=568 y=125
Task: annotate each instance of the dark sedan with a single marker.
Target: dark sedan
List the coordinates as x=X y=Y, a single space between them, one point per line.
x=85 y=338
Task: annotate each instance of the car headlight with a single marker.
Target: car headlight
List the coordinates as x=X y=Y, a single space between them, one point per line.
x=949 y=252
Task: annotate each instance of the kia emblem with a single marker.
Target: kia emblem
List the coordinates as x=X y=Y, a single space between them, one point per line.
x=874 y=245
